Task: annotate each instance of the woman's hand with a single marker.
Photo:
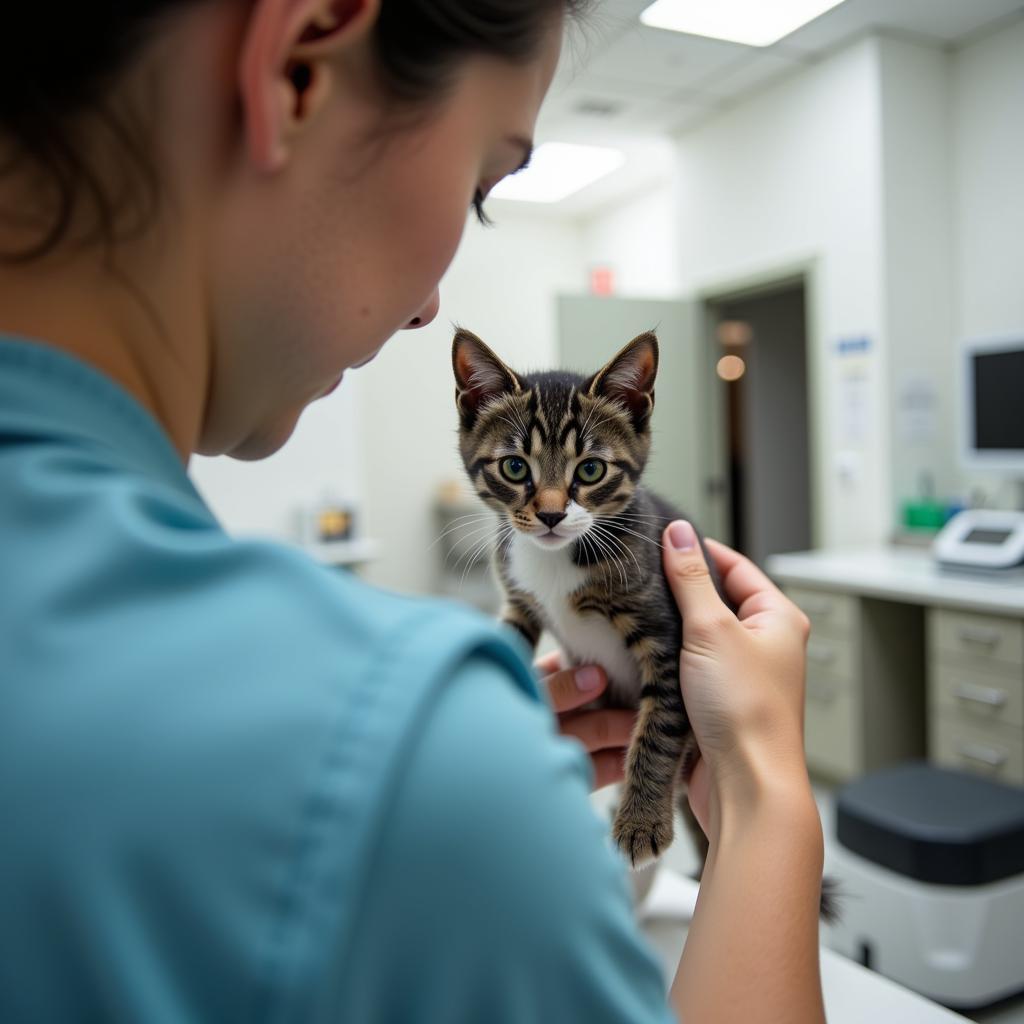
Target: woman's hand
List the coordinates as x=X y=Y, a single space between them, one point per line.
x=604 y=733
x=752 y=947
x=742 y=675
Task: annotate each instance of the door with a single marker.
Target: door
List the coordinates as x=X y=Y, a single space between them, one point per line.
x=592 y=329
x=760 y=343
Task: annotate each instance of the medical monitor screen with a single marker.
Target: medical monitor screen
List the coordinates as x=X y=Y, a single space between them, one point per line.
x=980 y=536
x=998 y=400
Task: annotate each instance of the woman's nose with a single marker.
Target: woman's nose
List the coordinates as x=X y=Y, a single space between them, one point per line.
x=426 y=314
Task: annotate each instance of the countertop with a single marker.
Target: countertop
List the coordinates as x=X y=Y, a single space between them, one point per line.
x=900 y=574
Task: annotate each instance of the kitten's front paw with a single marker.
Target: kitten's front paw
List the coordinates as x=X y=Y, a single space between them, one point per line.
x=641 y=838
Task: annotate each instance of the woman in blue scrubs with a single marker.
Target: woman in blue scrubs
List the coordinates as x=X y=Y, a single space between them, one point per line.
x=234 y=786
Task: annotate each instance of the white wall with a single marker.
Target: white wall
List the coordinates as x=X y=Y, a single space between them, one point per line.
x=988 y=211
x=896 y=169
x=321 y=460
x=502 y=285
x=639 y=239
x=988 y=125
x=919 y=283
x=791 y=176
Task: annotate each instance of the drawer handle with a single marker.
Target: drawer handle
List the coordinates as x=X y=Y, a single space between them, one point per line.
x=984 y=755
x=986 y=695
x=981 y=635
x=821 y=655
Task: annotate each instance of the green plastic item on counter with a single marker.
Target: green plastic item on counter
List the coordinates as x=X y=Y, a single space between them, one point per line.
x=924 y=515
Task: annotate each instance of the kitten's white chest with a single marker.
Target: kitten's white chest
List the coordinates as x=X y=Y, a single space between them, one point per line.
x=551 y=577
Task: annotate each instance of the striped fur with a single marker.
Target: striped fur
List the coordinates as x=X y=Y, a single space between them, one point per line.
x=593 y=578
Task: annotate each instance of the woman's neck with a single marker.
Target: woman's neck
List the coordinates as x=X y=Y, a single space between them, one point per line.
x=151 y=342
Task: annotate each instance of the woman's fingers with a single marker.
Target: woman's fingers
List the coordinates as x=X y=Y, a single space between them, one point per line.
x=571 y=688
x=549 y=664
x=744 y=582
x=690 y=581
x=599 y=730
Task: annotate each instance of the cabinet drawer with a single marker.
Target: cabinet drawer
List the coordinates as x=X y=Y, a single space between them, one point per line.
x=982 y=696
x=831 y=656
x=831 y=728
x=828 y=611
x=987 y=640
x=990 y=748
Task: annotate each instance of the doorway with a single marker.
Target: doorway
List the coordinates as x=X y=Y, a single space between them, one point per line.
x=758 y=353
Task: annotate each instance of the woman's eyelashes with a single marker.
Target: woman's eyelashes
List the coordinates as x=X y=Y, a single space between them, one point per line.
x=478 y=206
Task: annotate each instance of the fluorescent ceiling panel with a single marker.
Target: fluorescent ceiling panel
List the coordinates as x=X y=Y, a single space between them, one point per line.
x=557 y=170
x=751 y=22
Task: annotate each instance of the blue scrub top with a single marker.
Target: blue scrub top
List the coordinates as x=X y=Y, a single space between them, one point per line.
x=237 y=786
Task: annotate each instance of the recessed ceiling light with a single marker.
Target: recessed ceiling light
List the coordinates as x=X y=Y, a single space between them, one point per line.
x=557 y=170
x=751 y=22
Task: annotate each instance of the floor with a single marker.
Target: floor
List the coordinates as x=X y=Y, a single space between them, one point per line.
x=667 y=930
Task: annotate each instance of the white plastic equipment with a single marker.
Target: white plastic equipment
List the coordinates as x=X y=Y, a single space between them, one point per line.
x=985 y=539
x=930 y=864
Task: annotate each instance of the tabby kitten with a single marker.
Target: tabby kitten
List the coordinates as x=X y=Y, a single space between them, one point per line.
x=559 y=457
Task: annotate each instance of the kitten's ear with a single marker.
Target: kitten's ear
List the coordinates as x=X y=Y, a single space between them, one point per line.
x=479 y=375
x=629 y=378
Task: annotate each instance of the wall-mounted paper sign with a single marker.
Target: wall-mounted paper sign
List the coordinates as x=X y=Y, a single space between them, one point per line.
x=853 y=410
x=917 y=410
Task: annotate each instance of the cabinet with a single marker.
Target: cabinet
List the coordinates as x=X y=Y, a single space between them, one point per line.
x=865 y=682
x=908 y=660
x=976 y=693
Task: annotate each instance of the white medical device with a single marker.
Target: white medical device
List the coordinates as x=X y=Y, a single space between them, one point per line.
x=930 y=871
x=981 y=538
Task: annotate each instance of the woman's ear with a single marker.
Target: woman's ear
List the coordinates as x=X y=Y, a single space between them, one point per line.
x=479 y=375
x=628 y=378
x=286 y=70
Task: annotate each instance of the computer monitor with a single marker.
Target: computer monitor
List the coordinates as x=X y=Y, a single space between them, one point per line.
x=992 y=406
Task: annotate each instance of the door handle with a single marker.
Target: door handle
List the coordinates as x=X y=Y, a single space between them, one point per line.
x=984 y=755
x=984 y=636
x=987 y=695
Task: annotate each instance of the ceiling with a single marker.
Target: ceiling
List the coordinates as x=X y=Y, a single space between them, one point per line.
x=635 y=87
x=629 y=76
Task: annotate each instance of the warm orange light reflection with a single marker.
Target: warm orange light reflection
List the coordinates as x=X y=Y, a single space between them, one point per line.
x=735 y=333
x=731 y=368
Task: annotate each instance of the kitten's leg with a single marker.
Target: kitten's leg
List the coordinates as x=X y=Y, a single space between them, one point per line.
x=689 y=819
x=522 y=613
x=643 y=827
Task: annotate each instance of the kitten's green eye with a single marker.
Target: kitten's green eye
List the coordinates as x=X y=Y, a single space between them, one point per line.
x=515 y=469
x=591 y=471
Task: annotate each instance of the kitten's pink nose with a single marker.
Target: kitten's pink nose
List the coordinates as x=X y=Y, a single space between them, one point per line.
x=426 y=314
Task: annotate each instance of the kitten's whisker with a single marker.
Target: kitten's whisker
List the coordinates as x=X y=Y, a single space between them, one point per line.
x=598 y=562
x=454 y=526
x=590 y=416
x=516 y=428
x=626 y=529
x=612 y=556
x=636 y=516
x=607 y=419
x=472 y=541
x=607 y=539
x=625 y=547
x=477 y=552
x=519 y=416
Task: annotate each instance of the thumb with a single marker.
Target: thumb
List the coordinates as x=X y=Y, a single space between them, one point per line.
x=687 y=573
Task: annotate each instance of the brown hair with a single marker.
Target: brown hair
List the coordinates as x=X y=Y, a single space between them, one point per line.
x=57 y=85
